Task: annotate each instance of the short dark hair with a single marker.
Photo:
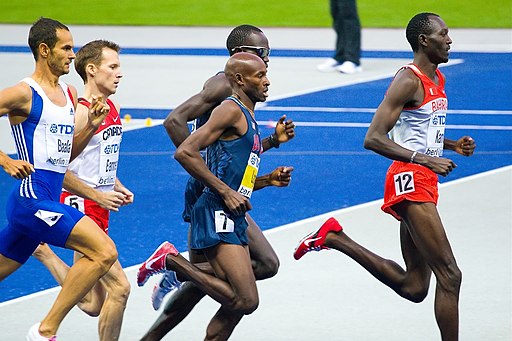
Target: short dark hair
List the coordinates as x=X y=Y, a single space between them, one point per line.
x=419 y=24
x=44 y=30
x=92 y=52
x=239 y=35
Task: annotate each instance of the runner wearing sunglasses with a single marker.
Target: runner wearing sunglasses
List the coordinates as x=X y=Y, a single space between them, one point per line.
x=265 y=263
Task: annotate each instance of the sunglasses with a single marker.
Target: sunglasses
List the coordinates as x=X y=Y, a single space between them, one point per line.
x=261 y=52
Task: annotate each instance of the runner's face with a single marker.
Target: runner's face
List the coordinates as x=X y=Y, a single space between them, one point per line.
x=62 y=55
x=439 y=41
x=108 y=74
x=256 y=82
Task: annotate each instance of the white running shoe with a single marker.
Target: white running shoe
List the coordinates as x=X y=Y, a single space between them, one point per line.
x=33 y=334
x=328 y=66
x=168 y=283
x=349 y=68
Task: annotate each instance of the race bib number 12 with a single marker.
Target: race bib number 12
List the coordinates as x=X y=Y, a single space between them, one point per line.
x=404 y=183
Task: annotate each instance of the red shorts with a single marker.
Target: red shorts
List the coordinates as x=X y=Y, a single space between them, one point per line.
x=408 y=181
x=88 y=207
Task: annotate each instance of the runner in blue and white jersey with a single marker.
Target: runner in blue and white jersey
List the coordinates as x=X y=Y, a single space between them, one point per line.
x=41 y=112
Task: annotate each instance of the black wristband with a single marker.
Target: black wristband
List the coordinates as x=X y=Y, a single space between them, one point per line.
x=273 y=141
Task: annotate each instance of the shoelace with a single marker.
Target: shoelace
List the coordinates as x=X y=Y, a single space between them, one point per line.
x=318 y=248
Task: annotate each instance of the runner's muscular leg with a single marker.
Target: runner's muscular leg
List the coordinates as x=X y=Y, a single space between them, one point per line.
x=99 y=254
x=7 y=267
x=403 y=282
x=117 y=288
x=222 y=325
x=416 y=281
x=92 y=302
x=265 y=262
x=179 y=305
x=182 y=301
x=232 y=264
x=429 y=236
x=238 y=290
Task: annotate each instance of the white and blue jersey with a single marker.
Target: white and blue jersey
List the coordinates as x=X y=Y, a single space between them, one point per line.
x=44 y=139
x=34 y=213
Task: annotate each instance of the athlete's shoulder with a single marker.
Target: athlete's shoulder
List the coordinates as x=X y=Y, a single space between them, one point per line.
x=406 y=77
x=217 y=87
x=115 y=104
x=21 y=89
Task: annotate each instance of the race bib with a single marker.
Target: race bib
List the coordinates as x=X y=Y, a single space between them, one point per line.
x=76 y=202
x=109 y=158
x=59 y=139
x=250 y=174
x=404 y=183
x=435 y=135
x=223 y=223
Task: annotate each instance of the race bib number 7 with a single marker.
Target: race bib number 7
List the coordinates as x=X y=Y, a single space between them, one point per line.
x=223 y=223
x=404 y=183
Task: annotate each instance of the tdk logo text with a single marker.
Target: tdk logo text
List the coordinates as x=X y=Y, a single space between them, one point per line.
x=62 y=129
x=439 y=120
x=111 y=148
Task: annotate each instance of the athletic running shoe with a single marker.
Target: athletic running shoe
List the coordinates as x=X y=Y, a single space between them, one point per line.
x=349 y=68
x=328 y=65
x=168 y=283
x=155 y=263
x=33 y=334
x=315 y=240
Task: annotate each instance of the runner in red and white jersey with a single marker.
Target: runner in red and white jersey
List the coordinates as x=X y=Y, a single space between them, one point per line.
x=421 y=128
x=92 y=187
x=96 y=166
x=413 y=113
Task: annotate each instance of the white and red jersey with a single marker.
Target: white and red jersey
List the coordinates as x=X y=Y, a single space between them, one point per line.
x=422 y=128
x=97 y=163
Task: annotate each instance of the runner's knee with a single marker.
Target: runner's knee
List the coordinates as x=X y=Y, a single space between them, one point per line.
x=266 y=268
x=416 y=294
x=450 y=278
x=121 y=291
x=107 y=256
x=248 y=306
x=245 y=305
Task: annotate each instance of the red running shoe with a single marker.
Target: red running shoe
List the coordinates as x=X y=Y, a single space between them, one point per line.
x=155 y=263
x=315 y=240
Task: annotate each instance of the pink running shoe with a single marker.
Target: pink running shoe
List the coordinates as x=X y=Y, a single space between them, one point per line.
x=155 y=263
x=315 y=240
x=34 y=335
